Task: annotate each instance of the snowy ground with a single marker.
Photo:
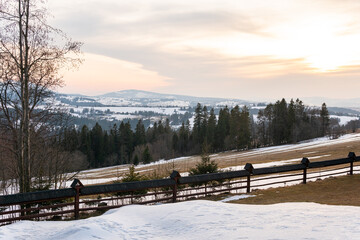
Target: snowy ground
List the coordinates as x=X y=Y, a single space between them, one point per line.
x=201 y=220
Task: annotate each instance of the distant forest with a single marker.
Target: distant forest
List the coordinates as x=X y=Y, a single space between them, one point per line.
x=235 y=128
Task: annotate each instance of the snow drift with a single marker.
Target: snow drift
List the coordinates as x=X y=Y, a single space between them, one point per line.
x=202 y=220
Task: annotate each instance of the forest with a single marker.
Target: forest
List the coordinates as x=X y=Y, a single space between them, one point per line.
x=234 y=128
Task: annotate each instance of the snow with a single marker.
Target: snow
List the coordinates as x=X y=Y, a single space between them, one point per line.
x=201 y=220
x=344 y=119
x=133 y=110
x=229 y=104
x=274 y=163
x=236 y=197
x=313 y=143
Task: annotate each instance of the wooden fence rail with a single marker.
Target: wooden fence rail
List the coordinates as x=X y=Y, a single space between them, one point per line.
x=68 y=203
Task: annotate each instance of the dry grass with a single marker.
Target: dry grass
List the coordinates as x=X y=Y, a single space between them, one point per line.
x=342 y=190
x=235 y=158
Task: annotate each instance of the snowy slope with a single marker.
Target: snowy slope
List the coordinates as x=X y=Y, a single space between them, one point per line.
x=201 y=220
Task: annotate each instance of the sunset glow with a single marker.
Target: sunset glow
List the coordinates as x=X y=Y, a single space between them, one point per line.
x=181 y=47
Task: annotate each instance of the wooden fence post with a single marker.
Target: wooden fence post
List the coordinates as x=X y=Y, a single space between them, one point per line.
x=175 y=175
x=305 y=161
x=248 y=184
x=248 y=167
x=352 y=157
x=77 y=185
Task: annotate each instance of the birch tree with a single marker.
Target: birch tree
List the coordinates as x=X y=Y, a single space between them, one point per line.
x=31 y=56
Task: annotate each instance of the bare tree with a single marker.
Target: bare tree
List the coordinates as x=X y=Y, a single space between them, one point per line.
x=31 y=55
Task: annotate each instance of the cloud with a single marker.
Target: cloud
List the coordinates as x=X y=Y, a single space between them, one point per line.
x=99 y=74
x=242 y=49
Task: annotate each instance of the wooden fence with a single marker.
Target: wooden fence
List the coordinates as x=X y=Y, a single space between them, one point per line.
x=69 y=203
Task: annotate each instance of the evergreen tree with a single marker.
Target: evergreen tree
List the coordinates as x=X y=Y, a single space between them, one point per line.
x=107 y=144
x=175 y=142
x=269 y=115
x=325 y=119
x=115 y=142
x=211 y=129
x=146 y=156
x=85 y=144
x=280 y=125
x=184 y=133
x=222 y=128
x=197 y=124
x=235 y=121
x=206 y=165
x=132 y=176
x=139 y=137
x=126 y=142
x=244 y=135
x=204 y=125
x=136 y=160
x=97 y=146
x=167 y=128
x=291 y=121
x=262 y=125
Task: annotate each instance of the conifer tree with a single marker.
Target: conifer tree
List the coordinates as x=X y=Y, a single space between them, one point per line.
x=206 y=165
x=291 y=121
x=244 y=137
x=197 y=124
x=97 y=146
x=146 y=156
x=204 y=125
x=136 y=160
x=325 y=119
x=262 y=125
x=280 y=128
x=126 y=142
x=222 y=128
x=235 y=121
x=211 y=129
x=139 y=137
x=184 y=133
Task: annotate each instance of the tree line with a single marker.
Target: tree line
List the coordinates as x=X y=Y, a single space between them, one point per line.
x=233 y=128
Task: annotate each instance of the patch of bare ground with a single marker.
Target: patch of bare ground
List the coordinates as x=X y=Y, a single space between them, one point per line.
x=343 y=190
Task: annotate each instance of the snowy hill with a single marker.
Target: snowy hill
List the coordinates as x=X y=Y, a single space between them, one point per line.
x=201 y=220
x=144 y=98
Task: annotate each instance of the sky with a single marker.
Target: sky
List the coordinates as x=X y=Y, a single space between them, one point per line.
x=254 y=50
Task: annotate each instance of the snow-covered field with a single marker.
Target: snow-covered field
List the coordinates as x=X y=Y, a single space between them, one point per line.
x=133 y=110
x=201 y=220
x=344 y=119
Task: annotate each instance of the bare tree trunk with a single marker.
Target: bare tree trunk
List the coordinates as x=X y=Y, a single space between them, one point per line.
x=29 y=64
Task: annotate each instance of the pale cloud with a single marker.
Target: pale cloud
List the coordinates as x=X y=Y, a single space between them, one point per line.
x=99 y=74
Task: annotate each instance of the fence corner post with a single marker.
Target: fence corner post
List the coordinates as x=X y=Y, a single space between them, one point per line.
x=175 y=175
x=77 y=185
x=248 y=167
x=305 y=161
x=352 y=157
